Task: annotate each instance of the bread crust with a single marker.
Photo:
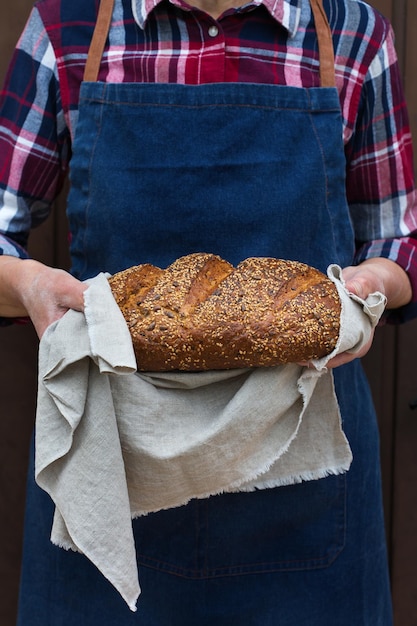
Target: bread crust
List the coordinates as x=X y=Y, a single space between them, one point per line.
x=201 y=313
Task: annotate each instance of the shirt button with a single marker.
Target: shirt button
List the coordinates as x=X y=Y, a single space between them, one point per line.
x=213 y=31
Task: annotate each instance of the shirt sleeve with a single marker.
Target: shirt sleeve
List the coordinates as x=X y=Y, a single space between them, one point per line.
x=380 y=179
x=34 y=143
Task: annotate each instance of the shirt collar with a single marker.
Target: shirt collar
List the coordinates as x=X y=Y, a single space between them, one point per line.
x=286 y=12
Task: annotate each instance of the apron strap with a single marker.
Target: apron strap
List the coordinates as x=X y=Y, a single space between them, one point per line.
x=324 y=36
x=98 y=41
x=325 y=43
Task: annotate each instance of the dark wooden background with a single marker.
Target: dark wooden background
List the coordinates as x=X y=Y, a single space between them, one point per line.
x=390 y=366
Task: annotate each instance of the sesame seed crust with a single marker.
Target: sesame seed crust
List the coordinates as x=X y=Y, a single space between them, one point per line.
x=201 y=313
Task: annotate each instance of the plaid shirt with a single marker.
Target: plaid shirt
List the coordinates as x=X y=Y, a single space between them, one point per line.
x=266 y=41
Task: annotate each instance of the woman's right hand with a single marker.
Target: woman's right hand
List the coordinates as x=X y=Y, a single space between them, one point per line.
x=45 y=294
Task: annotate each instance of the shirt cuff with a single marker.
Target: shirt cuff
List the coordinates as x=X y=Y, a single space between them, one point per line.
x=12 y=248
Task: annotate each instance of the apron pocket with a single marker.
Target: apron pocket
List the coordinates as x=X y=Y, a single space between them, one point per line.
x=292 y=528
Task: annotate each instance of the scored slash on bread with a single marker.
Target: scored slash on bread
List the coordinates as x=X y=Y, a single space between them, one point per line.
x=201 y=313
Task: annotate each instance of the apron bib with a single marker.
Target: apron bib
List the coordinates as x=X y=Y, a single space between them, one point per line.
x=163 y=170
x=258 y=172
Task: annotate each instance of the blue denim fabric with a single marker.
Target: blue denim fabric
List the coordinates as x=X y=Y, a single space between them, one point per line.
x=311 y=554
x=164 y=170
x=235 y=169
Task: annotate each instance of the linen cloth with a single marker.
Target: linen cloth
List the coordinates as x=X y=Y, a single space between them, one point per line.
x=112 y=444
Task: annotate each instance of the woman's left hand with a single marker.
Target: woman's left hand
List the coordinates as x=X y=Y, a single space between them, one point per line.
x=373 y=275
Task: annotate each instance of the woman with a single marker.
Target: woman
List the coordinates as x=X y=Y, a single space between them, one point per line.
x=227 y=127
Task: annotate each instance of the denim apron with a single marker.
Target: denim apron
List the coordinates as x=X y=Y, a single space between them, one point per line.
x=162 y=170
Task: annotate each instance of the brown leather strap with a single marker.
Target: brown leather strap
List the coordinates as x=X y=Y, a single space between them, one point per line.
x=98 y=41
x=325 y=43
x=324 y=36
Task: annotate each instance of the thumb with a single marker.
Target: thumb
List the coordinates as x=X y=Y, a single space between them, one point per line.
x=356 y=287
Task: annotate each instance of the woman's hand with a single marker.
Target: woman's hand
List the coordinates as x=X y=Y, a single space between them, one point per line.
x=29 y=288
x=376 y=274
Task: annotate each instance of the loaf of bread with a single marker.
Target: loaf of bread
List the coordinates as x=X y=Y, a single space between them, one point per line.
x=201 y=313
